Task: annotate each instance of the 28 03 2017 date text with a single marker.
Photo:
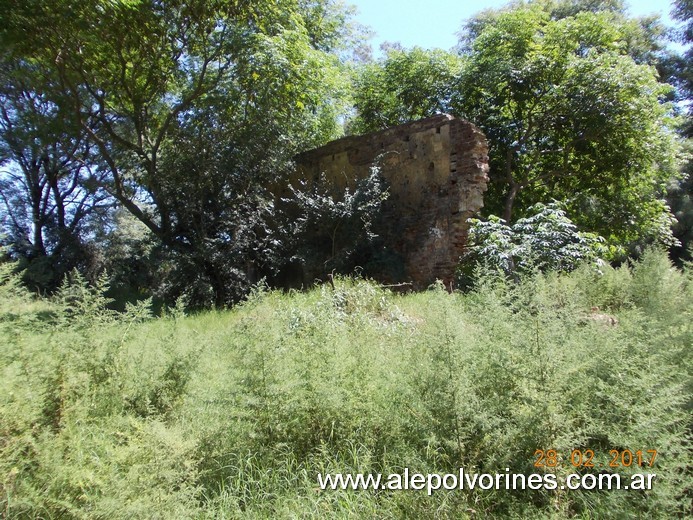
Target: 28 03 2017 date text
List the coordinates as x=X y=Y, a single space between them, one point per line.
x=585 y=458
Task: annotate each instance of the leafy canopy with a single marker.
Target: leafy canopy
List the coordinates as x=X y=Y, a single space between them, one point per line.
x=192 y=106
x=569 y=97
x=570 y=115
x=404 y=86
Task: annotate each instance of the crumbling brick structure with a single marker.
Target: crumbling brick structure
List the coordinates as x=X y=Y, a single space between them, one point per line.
x=436 y=170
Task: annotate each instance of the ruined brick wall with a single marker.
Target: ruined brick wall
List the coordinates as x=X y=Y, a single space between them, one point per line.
x=436 y=170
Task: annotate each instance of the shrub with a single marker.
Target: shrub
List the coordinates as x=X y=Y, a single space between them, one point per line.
x=324 y=230
x=545 y=241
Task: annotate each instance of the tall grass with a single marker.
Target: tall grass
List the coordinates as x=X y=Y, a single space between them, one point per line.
x=233 y=414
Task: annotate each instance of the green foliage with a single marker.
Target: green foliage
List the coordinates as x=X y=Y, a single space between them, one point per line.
x=569 y=96
x=404 y=86
x=232 y=414
x=644 y=38
x=190 y=109
x=571 y=115
x=324 y=231
x=680 y=199
x=133 y=259
x=181 y=113
x=681 y=65
x=83 y=304
x=547 y=240
x=49 y=198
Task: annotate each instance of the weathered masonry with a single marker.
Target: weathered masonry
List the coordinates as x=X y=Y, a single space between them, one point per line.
x=436 y=169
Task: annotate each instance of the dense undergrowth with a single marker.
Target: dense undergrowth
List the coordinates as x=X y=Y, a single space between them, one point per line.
x=232 y=414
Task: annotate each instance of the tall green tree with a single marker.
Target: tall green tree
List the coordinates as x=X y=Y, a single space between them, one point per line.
x=49 y=180
x=681 y=195
x=643 y=38
x=191 y=105
x=403 y=86
x=683 y=12
x=571 y=115
x=570 y=98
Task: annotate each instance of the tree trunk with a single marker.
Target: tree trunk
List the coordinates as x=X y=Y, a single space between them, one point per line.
x=36 y=215
x=39 y=247
x=509 y=201
x=514 y=186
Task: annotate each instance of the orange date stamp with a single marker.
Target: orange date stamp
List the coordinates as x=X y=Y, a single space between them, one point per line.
x=585 y=458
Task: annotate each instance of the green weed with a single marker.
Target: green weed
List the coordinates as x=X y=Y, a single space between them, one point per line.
x=233 y=414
